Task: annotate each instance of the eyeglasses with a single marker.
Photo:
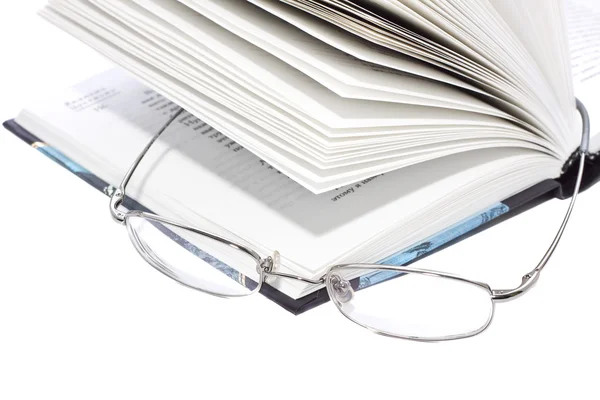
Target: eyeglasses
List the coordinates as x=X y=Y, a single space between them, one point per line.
x=401 y=301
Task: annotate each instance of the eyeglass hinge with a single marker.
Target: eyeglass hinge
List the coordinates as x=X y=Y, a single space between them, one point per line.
x=115 y=201
x=269 y=265
x=527 y=282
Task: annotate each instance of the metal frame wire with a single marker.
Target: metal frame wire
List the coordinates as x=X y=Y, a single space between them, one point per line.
x=268 y=267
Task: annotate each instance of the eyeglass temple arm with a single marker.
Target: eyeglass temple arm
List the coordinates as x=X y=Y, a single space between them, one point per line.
x=119 y=194
x=531 y=277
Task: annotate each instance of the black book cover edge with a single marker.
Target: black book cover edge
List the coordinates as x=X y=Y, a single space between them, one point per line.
x=561 y=188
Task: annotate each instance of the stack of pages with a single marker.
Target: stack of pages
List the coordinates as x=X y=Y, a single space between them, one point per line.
x=331 y=131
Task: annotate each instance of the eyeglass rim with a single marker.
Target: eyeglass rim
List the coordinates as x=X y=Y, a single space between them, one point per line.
x=159 y=266
x=411 y=270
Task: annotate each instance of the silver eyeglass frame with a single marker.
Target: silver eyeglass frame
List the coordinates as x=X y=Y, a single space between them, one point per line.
x=411 y=270
x=267 y=267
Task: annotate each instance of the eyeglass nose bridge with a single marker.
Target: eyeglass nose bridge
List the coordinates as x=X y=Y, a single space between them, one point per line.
x=270 y=266
x=342 y=289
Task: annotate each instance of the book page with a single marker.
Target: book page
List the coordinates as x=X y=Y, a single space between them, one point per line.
x=584 y=40
x=326 y=63
x=243 y=128
x=304 y=93
x=368 y=42
x=538 y=26
x=358 y=47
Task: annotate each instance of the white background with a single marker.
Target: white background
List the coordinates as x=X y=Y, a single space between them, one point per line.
x=82 y=316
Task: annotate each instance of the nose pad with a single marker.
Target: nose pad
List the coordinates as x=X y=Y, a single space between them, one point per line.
x=342 y=290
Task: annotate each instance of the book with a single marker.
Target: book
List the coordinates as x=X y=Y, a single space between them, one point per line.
x=331 y=131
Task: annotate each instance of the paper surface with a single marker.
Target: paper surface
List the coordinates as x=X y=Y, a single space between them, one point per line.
x=538 y=26
x=250 y=118
x=316 y=58
x=584 y=40
x=497 y=71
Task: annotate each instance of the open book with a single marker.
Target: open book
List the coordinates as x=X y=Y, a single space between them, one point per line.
x=331 y=131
